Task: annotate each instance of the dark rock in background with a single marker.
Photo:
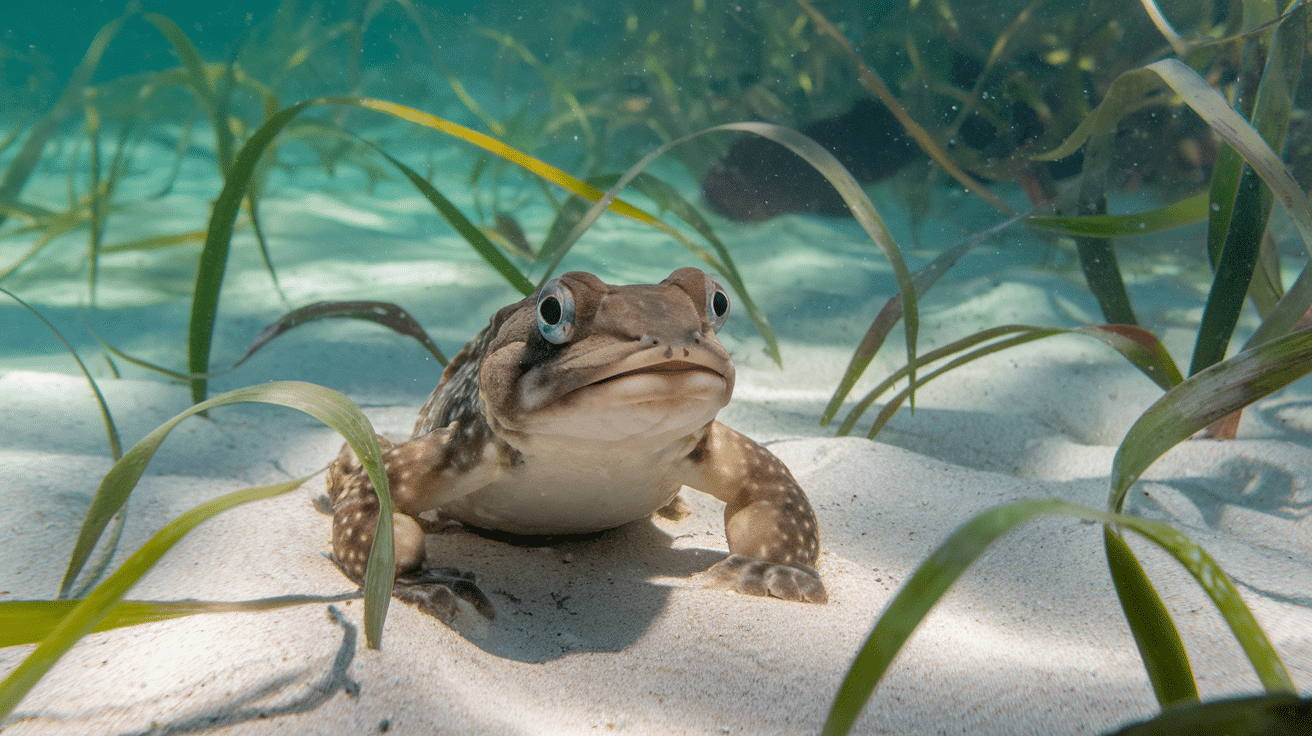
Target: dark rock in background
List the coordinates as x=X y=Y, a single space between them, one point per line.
x=759 y=179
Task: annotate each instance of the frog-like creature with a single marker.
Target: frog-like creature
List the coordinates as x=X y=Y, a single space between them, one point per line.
x=580 y=408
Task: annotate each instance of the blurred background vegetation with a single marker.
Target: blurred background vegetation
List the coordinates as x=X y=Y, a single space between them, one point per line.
x=591 y=85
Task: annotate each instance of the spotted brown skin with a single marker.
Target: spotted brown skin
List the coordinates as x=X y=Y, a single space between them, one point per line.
x=581 y=408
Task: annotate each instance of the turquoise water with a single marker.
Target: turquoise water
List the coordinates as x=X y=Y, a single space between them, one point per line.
x=589 y=87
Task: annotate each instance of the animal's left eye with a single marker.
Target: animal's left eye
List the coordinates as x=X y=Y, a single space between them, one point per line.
x=555 y=312
x=717 y=304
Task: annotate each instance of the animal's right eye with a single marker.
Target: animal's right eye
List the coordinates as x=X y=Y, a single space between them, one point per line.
x=555 y=312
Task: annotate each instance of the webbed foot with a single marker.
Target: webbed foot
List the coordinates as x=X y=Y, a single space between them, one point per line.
x=438 y=593
x=759 y=577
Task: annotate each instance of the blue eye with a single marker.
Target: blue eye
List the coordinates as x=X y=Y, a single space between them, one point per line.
x=717 y=304
x=555 y=312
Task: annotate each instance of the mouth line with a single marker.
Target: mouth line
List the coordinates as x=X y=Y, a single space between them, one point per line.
x=669 y=366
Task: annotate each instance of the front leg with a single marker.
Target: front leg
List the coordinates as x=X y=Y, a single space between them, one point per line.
x=773 y=536
x=417 y=475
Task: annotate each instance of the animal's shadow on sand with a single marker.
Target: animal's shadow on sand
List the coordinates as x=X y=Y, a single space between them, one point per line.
x=561 y=595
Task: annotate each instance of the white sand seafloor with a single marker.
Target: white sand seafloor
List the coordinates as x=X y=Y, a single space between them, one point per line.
x=615 y=633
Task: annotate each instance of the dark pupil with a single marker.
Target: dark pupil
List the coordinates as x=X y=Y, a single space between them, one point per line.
x=549 y=310
x=720 y=303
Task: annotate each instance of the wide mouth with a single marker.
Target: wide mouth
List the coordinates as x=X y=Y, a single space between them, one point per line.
x=663 y=399
x=644 y=376
x=669 y=366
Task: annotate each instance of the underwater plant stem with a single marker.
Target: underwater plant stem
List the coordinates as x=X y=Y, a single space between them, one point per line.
x=1241 y=200
x=96 y=204
x=923 y=280
x=1097 y=255
x=1158 y=18
x=1098 y=261
x=1234 y=271
x=96 y=570
x=1228 y=169
x=111 y=430
x=1155 y=634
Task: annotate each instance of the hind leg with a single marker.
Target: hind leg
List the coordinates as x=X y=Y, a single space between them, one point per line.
x=355 y=515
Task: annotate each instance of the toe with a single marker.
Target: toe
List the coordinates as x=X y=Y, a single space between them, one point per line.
x=795 y=584
x=438 y=593
x=759 y=577
x=437 y=601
